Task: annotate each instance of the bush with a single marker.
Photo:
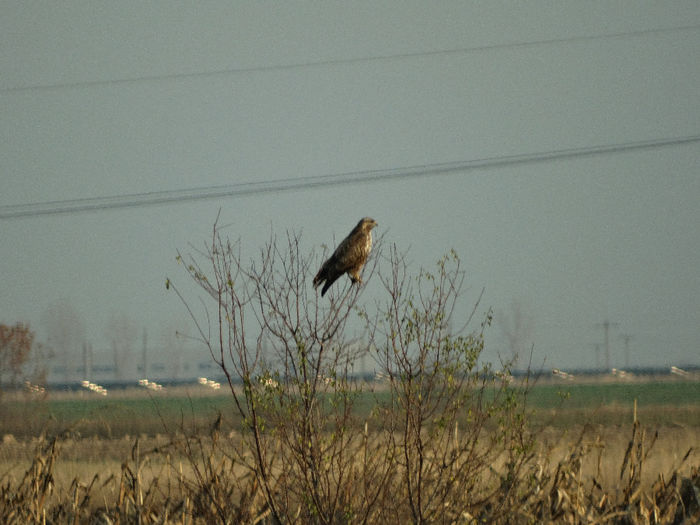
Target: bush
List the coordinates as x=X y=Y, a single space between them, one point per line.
x=301 y=438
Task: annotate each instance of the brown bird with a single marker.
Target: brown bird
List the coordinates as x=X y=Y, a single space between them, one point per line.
x=349 y=257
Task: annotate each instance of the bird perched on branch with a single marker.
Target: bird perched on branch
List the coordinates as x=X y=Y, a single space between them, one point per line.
x=349 y=257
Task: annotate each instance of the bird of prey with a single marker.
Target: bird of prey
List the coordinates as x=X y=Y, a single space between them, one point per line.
x=349 y=257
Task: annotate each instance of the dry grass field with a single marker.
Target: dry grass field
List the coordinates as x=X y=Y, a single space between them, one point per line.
x=590 y=464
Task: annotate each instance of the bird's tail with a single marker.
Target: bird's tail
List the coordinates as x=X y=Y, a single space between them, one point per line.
x=318 y=279
x=328 y=284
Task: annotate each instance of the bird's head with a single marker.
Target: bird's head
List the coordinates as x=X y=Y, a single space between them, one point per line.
x=367 y=223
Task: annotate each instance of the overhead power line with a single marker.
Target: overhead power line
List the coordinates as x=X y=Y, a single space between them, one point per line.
x=345 y=61
x=132 y=200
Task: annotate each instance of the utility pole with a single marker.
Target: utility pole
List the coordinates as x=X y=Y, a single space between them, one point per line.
x=597 y=355
x=144 y=351
x=363 y=365
x=86 y=373
x=606 y=325
x=626 y=338
x=87 y=361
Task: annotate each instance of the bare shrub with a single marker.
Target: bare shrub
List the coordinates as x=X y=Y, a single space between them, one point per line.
x=296 y=399
x=300 y=437
x=16 y=345
x=450 y=419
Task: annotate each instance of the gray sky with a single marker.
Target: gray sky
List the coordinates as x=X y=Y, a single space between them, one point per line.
x=112 y=98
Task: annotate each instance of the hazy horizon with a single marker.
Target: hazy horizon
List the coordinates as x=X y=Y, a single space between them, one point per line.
x=572 y=133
